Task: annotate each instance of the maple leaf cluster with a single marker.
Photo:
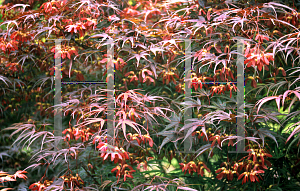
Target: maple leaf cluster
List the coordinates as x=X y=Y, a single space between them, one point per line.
x=147 y=54
x=21 y=36
x=255 y=57
x=122 y=171
x=51 y=7
x=14 y=67
x=141 y=139
x=219 y=89
x=80 y=26
x=8 y=46
x=114 y=152
x=40 y=186
x=76 y=133
x=5 y=177
x=248 y=170
x=65 y=51
x=72 y=181
x=193 y=167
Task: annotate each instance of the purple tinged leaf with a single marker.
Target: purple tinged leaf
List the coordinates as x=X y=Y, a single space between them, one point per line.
x=200 y=20
x=130 y=123
x=103 y=35
x=147 y=12
x=285 y=95
x=204 y=131
x=5 y=80
x=155 y=49
x=264 y=100
x=172 y=41
x=138 y=57
x=4 y=154
x=278 y=102
x=34 y=165
x=290 y=91
x=186 y=188
x=272 y=4
x=131 y=39
x=20 y=5
x=70 y=68
x=158 y=110
x=203 y=149
x=92 y=120
x=190 y=131
x=251 y=139
x=298 y=123
x=271 y=136
x=295 y=131
x=229 y=137
x=165 y=141
x=297 y=94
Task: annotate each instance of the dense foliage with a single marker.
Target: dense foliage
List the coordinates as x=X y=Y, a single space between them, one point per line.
x=147 y=149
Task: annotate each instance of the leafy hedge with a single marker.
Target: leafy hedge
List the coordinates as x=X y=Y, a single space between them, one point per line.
x=152 y=146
